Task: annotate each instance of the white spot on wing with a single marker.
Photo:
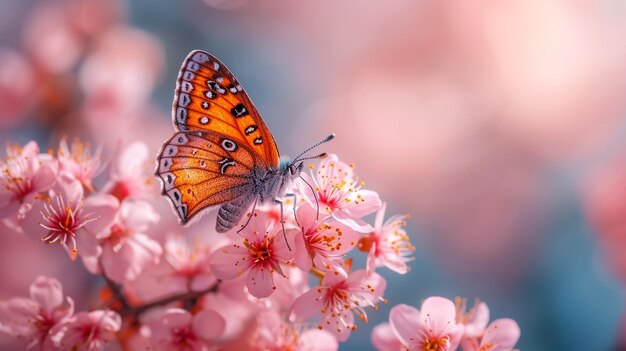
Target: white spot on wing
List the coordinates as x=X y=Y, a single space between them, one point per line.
x=193 y=66
x=170 y=150
x=186 y=87
x=183 y=99
x=200 y=57
x=174 y=194
x=168 y=180
x=204 y=120
x=216 y=66
x=182 y=211
x=188 y=76
x=181 y=115
x=180 y=139
x=165 y=164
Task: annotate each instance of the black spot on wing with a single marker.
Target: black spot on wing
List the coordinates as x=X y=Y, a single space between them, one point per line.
x=239 y=111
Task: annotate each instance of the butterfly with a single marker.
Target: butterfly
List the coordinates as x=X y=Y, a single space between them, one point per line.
x=222 y=153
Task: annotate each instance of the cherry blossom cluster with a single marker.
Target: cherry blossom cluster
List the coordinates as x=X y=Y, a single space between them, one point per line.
x=443 y=325
x=284 y=281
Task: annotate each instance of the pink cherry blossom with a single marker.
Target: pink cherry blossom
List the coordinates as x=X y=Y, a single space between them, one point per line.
x=321 y=244
x=126 y=248
x=339 y=193
x=89 y=331
x=78 y=161
x=273 y=333
x=384 y=338
x=188 y=258
x=130 y=176
x=33 y=318
x=501 y=335
x=388 y=245
x=338 y=298
x=25 y=173
x=260 y=255
x=176 y=329
x=433 y=328
x=63 y=217
x=184 y=263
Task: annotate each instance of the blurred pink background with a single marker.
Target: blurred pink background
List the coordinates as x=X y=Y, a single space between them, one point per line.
x=498 y=125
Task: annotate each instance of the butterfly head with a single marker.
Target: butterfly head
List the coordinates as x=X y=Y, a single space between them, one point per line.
x=291 y=167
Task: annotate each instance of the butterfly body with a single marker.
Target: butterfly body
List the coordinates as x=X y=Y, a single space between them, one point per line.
x=266 y=185
x=222 y=155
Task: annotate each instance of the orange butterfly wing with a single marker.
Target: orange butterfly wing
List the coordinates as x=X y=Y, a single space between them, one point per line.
x=209 y=98
x=199 y=170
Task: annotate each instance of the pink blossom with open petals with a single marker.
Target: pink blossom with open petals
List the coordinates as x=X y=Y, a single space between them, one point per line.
x=130 y=176
x=500 y=335
x=338 y=298
x=388 y=245
x=64 y=217
x=25 y=173
x=188 y=258
x=321 y=244
x=184 y=263
x=433 y=328
x=339 y=193
x=272 y=332
x=126 y=248
x=260 y=255
x=176 y=329
x=78 y=160
x=32 y=319
x=89 y=331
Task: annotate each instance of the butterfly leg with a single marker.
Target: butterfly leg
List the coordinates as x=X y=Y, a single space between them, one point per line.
x=250 y=216
x=282 y=222
x=295 y=202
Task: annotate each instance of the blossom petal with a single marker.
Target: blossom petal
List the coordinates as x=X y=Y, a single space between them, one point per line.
x=208 y=324
x=405 y=322
x=260 y=282
x=307 y=305
x=16 y=315
x=280 y=249
x=302 y=259
x=352 y=221
x=105 y=207
x=229 y=262
x=439 y=313
x=45 y=177
x=384 y=339
x=502 y=333
x=479 y=321
x=131 y=160
x=369 y=202
x=139 y=215
x=47 y=292
x=319 y=340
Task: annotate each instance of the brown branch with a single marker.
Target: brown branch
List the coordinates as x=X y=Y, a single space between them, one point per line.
x=128 y=309
x=188 y=296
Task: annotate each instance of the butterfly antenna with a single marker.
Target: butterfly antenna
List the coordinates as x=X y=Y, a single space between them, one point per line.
x=317 y=204
x=322 y=155
x=325 y=140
